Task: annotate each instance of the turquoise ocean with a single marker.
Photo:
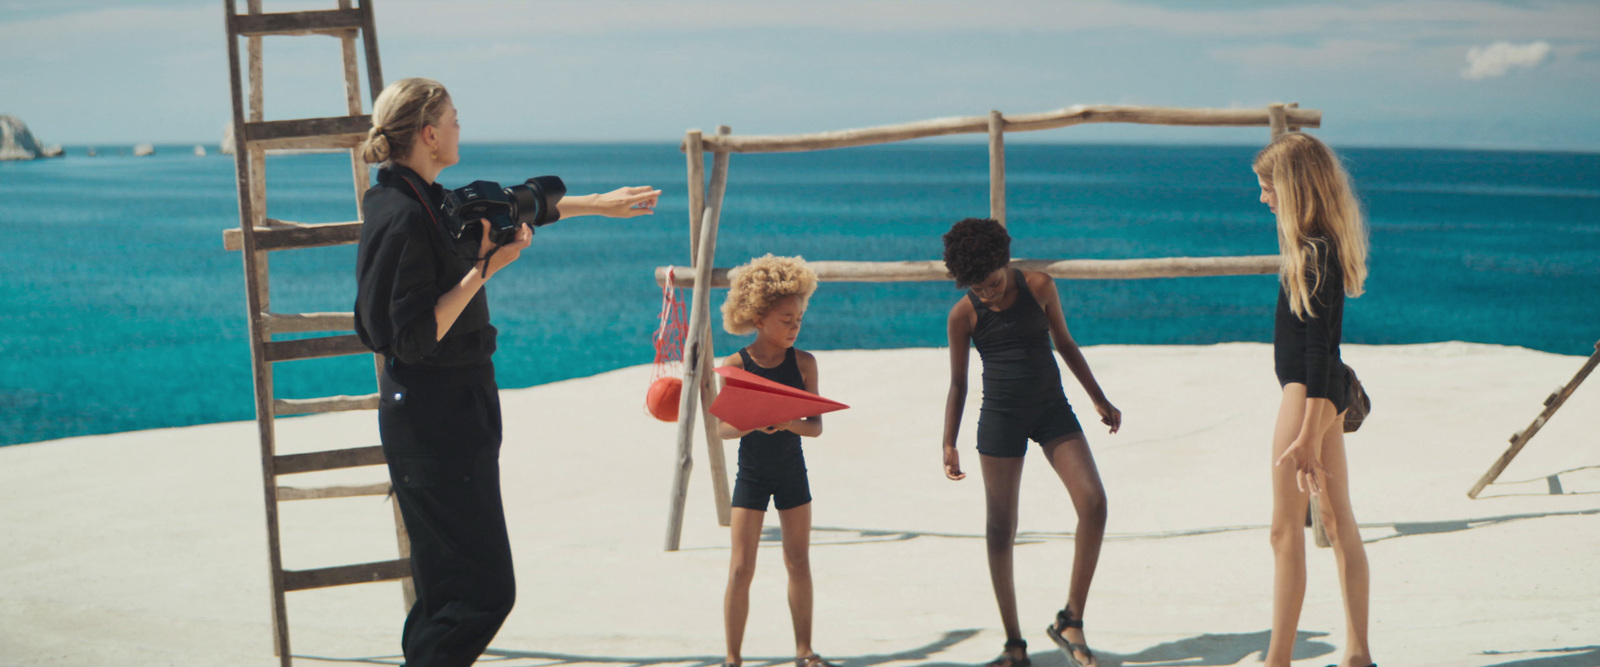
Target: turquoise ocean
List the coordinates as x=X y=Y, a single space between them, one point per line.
x=120 y=309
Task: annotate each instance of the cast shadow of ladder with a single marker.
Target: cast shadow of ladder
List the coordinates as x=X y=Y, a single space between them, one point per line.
x=1207 y=649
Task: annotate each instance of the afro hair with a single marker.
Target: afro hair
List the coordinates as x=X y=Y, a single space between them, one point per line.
x=754 y=287
x=975 y=248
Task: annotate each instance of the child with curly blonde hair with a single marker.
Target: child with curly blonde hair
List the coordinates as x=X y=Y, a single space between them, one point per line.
x=768 y=297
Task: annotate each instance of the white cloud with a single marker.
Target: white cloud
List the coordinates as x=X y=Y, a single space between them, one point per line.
x=1498 y=58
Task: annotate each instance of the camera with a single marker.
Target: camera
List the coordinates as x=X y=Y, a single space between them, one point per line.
x=503 y=209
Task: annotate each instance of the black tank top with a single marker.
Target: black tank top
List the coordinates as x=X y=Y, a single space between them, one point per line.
x=1018 y=361
x=758 y=446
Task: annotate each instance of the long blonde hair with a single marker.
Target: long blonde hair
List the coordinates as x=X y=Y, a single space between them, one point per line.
x=398 y=116
x=1314 y=200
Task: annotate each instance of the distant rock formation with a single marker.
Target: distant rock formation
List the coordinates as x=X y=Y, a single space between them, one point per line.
x=142 y=150
x=16 y=142
x=199 y=151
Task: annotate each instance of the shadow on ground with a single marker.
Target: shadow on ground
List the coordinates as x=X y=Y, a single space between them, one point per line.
x=1199 y=651
x=1572 y=656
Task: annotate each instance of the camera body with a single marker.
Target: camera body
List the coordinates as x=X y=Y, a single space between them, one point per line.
x=503 y=209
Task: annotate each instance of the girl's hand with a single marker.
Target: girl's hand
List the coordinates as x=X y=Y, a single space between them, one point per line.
x=507 y=253
x=952 y=464
x=1109 y=415
x=627 y=202
x=785 y=426
x=1308 y=472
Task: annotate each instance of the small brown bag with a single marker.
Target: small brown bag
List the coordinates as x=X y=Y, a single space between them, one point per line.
x=1356 y=398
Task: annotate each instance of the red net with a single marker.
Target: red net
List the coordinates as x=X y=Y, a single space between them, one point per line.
x=671 y=333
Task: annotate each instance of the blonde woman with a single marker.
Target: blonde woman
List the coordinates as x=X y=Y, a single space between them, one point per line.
x=1323 y=241
x=423 y=305
x=768 y=297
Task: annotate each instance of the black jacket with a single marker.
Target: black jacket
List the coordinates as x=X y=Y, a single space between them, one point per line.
x=404 y=264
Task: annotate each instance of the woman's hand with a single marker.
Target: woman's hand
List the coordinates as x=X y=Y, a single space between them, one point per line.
x=1307 y=464
x=952 y=464
x=626 y=202
x=1109 y=414
x=507 y=253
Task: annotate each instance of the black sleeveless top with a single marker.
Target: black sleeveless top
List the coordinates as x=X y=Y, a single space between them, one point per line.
x=1018 y=361
x=759 y=446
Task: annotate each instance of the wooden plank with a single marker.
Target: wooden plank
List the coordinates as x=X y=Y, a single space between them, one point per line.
x=332 y=132
x=291 y=238
x=997 y=167
x=369 y=41
x=1277 y=119
x=326 y=21
x=716 y=456
x=287 y=493
x=341 y=403
x=1074 y=115
x=363 y=573
x=313 y=348
x=276 y=323
x=1066 y=269
x=333 y=459
x=1520 y=438
x=695 y=156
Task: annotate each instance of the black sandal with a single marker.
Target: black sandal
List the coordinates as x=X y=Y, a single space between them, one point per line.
x=1005 y=659
x=1065 y=620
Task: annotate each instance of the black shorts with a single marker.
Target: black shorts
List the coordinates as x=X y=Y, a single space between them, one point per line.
x=1004 y=431
x=786 y=484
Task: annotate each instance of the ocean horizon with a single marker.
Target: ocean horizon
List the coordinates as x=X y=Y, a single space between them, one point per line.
x=122 y=311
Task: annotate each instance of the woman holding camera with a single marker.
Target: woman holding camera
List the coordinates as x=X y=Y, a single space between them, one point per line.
x=422 y=305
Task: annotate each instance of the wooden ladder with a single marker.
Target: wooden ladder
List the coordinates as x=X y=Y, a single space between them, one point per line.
x=258 y=235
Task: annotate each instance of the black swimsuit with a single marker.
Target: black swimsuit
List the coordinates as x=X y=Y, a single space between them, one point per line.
x=1307 y=351
x=1022 y=395
x=771 y=465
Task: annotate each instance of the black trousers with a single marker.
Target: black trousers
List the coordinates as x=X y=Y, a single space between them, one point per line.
x=441 y=436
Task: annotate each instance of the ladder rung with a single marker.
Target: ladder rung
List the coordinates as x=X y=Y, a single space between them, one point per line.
x=299 y=236
x=286 y=493
x=299 y=580
x=302 y=322
x=306 y=406
x=297 y=23
x=314 y=348
x=333 y=459
x=334 y=132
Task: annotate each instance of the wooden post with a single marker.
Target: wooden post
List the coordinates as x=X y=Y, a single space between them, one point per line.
x=1520 y=438
x=997 y=167
x=1277 y=119
x=694 y=154
x=692 y=365
x=720 y=495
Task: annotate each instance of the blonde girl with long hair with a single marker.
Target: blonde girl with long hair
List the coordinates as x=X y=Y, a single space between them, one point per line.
x=1322 y=238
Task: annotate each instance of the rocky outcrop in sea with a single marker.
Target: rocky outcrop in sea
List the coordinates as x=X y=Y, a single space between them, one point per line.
x=17 y=143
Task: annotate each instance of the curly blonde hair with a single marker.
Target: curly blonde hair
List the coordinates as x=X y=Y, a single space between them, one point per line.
x=754 y=287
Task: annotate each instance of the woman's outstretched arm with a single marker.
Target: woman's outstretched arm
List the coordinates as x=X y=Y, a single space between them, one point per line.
x=626 y=202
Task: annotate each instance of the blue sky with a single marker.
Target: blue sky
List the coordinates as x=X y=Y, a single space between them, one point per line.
x=1522 y=74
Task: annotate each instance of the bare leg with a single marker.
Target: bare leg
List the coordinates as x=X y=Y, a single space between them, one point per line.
x=1349 y=553
x=1002 y=482
x=796 y=522
x=746 y=530
x=1287 y=533
x=1074 y=464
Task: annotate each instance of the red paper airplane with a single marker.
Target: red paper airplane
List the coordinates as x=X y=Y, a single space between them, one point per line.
x=748 y=401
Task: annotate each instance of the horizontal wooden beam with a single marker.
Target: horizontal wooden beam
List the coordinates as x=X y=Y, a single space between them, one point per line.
x=299 y=580
x=314 y=348
x=333 y=132
x=330 y=21
x=938 y=127
x=305 y=406
x=291 y=237
x=1067 y=269
x=287 y=493
x=333 y=459
x=303 y=322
